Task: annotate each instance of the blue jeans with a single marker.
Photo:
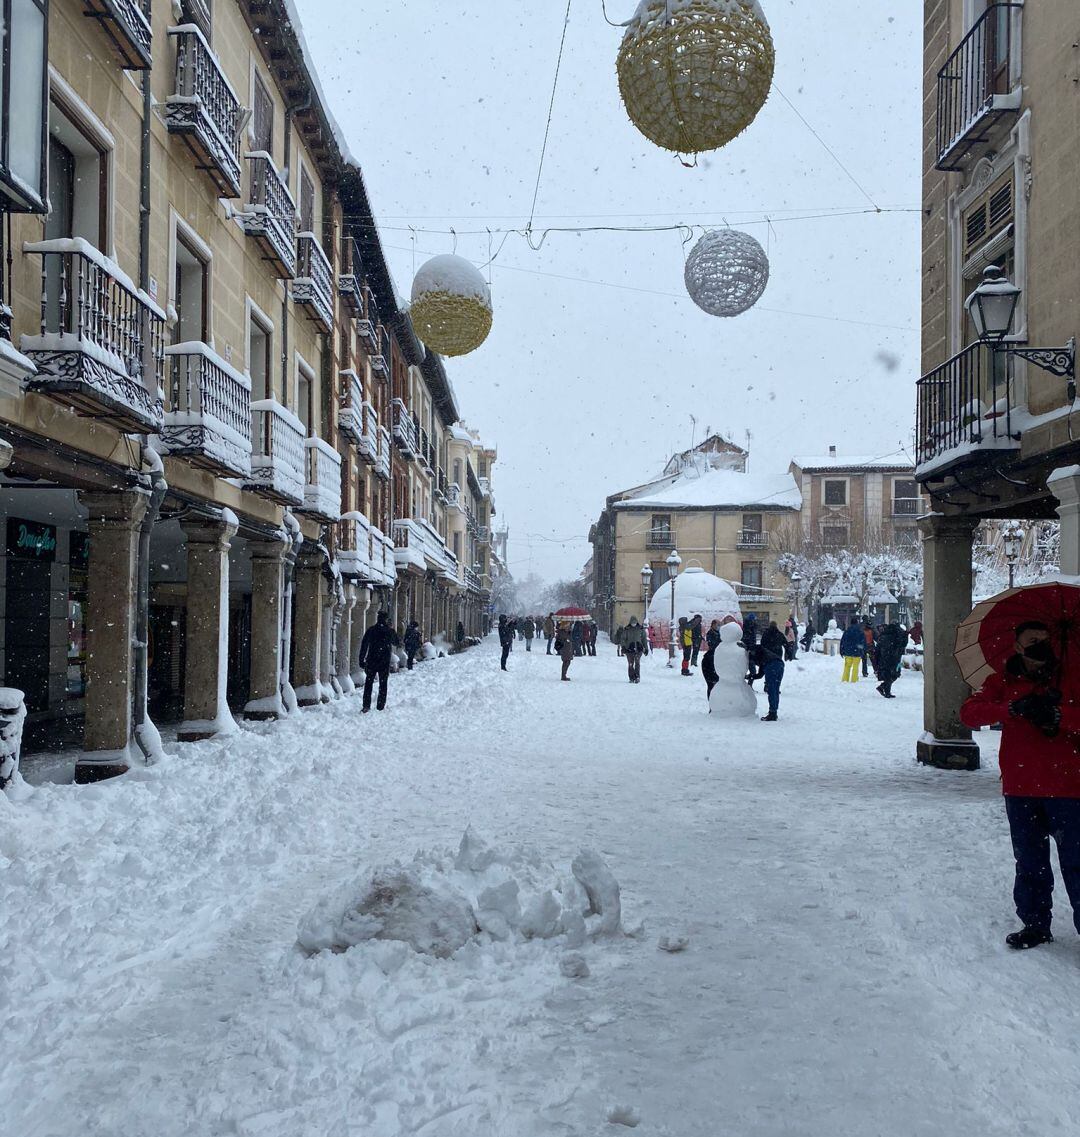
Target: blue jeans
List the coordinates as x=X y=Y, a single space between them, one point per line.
x=1032 y=822
x=774 y=674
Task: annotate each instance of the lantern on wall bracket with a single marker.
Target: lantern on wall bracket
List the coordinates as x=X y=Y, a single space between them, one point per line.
x=726 y=272
x=24 y=101
x=451 y=305
x=992 y=308
x=693 y=74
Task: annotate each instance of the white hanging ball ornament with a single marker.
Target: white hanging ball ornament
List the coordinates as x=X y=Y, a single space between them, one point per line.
x=726 y=272
x=451 y=305
x=693 y=74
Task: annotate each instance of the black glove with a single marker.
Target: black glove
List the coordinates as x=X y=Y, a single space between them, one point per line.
x=1043 y=711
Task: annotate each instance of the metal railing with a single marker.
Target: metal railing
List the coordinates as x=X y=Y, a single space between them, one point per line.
x=752 y=539
x=351 y=278
x=368 y=444
x=270 y=215
x=453 y=494
x=380 y=358
x=314 y=284
x=660 y=539
x=404 y=428
x=127 y=23
x=205 y=109
x=966 y=400
x=971 y=85
x=350 y=405
x=101 y=342
x=905 y=506
x=367 y=323
x=322 y=488
x=277 y=453
x=382 y=462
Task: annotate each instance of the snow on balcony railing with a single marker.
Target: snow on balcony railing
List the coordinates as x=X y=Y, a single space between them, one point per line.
x=380 y=357
x=354 y=545
x=127 y=23
x=313 y=287
x=368 y=444
x=660 y=539
x=419 y=545
x=753 y=539
x=322 y=492
x=205 y=110
x=208 y=419
x=404 y=428
x=453 y=495
x=367 y=322
x=270 y=214
x=350 y=405
x=100 y=345
x=277 y=455
x=382 y=462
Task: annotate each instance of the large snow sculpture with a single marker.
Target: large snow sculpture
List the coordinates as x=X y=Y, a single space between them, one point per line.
x=732 y=697
x=693 y=74
x=451 y=305
x=726 y=272
x=697 y=592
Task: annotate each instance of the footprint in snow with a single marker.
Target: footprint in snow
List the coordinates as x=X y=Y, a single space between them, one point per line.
x=624 y=1115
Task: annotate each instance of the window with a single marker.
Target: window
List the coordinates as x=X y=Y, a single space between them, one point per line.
x=305 y=387
x=190 y=294
x=198 y=12
x=78 y=177
x=752 y=574
x=307 y=202
x=23 y=85
x=989 y=216
x=835 y=491
x=751 y=522
x=660 y=535
x=834 y=536
x=905 y=497
x=457 y=472
x=260 y=355
x=262 y=117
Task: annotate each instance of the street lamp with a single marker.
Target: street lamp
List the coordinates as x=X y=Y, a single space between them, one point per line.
x=1012 y=540
x=796 y=580
x=673 y=563
x=992 y=308
x=646 y=584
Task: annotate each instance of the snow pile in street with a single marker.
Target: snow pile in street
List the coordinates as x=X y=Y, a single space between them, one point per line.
x=437 y=903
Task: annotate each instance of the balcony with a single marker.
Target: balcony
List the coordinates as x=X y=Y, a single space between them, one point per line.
x=660 y=539
x=383 y=563
x=485 y=488
x=351 y=405
x=209 y=416
x=976 y=87
x=322 y=489
x=404 y=429
x=100 y=346
x=752 y=539
x=419 y=545
x=270 y=215
x=472 y=580
x=368 y=443
x=483 y=535
x=964 y=406
x=440 y=484
x=905 y=507
x=427 y=454
x=380 y=357
x=313 y=288
x=127 y=24
x=453 y=495
x=277 y=453
x=382 y=462
x=354 y=546
x=351 y=283
x=367 y=323
x=205 y=111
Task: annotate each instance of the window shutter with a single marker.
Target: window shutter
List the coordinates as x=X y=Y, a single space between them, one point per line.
x=989 y=216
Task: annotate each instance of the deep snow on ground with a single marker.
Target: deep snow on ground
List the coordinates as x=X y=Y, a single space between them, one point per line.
x=844 y=910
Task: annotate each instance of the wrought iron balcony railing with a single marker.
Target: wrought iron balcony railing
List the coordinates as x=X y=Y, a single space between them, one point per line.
x=351 y=405
x=483 y=534
x=453 y=495
x=208 y=416
x=905 y=507
x=100 y=347
x=404 y=428
x=127 y=24
x=354 y=546
x=277 y=453
x=752 y=539
x=367 y=322
x=660 y=539
x=351 y=279
x=965 y=404
x=976 y=86
x=380 y=357
x=382 y=463
x=270 y=214
x=420 y=546
x=322 y=489
x=383 y=563
x=205 y=110
x=368 y=445
x=313 y=288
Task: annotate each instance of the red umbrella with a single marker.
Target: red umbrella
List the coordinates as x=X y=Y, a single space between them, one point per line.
x=987 y=638
x=572 y=614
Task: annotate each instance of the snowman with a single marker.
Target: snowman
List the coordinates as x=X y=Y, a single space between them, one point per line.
x=732 y=697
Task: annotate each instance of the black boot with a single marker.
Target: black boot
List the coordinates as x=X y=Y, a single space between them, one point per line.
x=1029 y=937
x=770 y=717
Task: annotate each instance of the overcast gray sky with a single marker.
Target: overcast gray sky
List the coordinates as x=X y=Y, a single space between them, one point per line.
x=598 y=358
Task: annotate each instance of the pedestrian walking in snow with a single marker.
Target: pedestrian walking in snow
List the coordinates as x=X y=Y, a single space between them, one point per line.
x=868 y=655
x=530 y=632
x=460 y=634
x=807 y=640
x=577 y=637
x=771 y=652
x=411 y=642
x=1040 y=775
x=852 y=648
x=549 y=630
x=686 y=642
x=564 y=645
x=916 y=633
x=749 y=630
x=506 y=639
x=618 y=640
x=376 y=649
x=712 y=636
x=696 y=639
x=594 y=634
x=635 y=644
x=892 y=643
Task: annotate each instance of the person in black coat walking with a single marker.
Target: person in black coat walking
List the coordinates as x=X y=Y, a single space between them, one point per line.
x=771 y=652
x=375 y=653
x=411 y=642
x=708 y=665
x=808 y=636
x=506 y=639
x=891 y=646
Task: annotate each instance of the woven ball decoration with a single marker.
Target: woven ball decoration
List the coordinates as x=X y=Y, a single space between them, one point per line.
x=726 y=272
x=693 y=74
x=451 y=305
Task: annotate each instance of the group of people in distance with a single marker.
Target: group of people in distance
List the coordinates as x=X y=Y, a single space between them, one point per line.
x=570 y=637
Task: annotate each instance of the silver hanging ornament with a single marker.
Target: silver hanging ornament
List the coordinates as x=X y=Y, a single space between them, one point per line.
x=726 y=272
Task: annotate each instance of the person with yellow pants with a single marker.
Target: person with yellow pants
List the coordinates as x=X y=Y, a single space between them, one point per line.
x=852 y=648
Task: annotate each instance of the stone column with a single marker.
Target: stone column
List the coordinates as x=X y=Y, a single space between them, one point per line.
x=345 y=648
x=1064 y=484
x=327 y=644
x=363 y=615
x=946 y=743
x=206 y=710
x=110 y=626
x=267 y=603
x=308 y=602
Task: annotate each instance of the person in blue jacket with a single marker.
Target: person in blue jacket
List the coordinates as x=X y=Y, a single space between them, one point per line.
x=852 y=648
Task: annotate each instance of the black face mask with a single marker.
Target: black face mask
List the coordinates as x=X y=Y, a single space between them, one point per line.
x=1040 y=652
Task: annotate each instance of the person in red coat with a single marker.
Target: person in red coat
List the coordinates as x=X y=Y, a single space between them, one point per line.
x=1040 y=776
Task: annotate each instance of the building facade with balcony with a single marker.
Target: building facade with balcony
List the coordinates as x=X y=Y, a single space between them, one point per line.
x=717 y=514
x=996 y=424
x=201 y=478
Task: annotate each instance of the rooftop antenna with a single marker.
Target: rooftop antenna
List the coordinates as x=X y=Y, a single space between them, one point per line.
x=749 y=439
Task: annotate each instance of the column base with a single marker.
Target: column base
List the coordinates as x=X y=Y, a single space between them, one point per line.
x=201 y=731
x=947 y=754
x=106 y=764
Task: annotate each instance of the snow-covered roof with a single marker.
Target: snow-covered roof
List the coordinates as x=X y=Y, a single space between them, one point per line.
x=853 y=462
x=705 y=489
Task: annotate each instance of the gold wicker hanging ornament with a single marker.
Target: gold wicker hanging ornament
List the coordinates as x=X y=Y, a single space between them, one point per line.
x=451 y=305
x=693 y=74
x=726 y=272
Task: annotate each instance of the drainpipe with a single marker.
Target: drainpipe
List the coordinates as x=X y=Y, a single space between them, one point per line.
x=146 y=735
x=144 y=185
x=296 y=536
x=289 y=113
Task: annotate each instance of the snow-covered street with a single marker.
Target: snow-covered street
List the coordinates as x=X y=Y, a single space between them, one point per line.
x=845 y=910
